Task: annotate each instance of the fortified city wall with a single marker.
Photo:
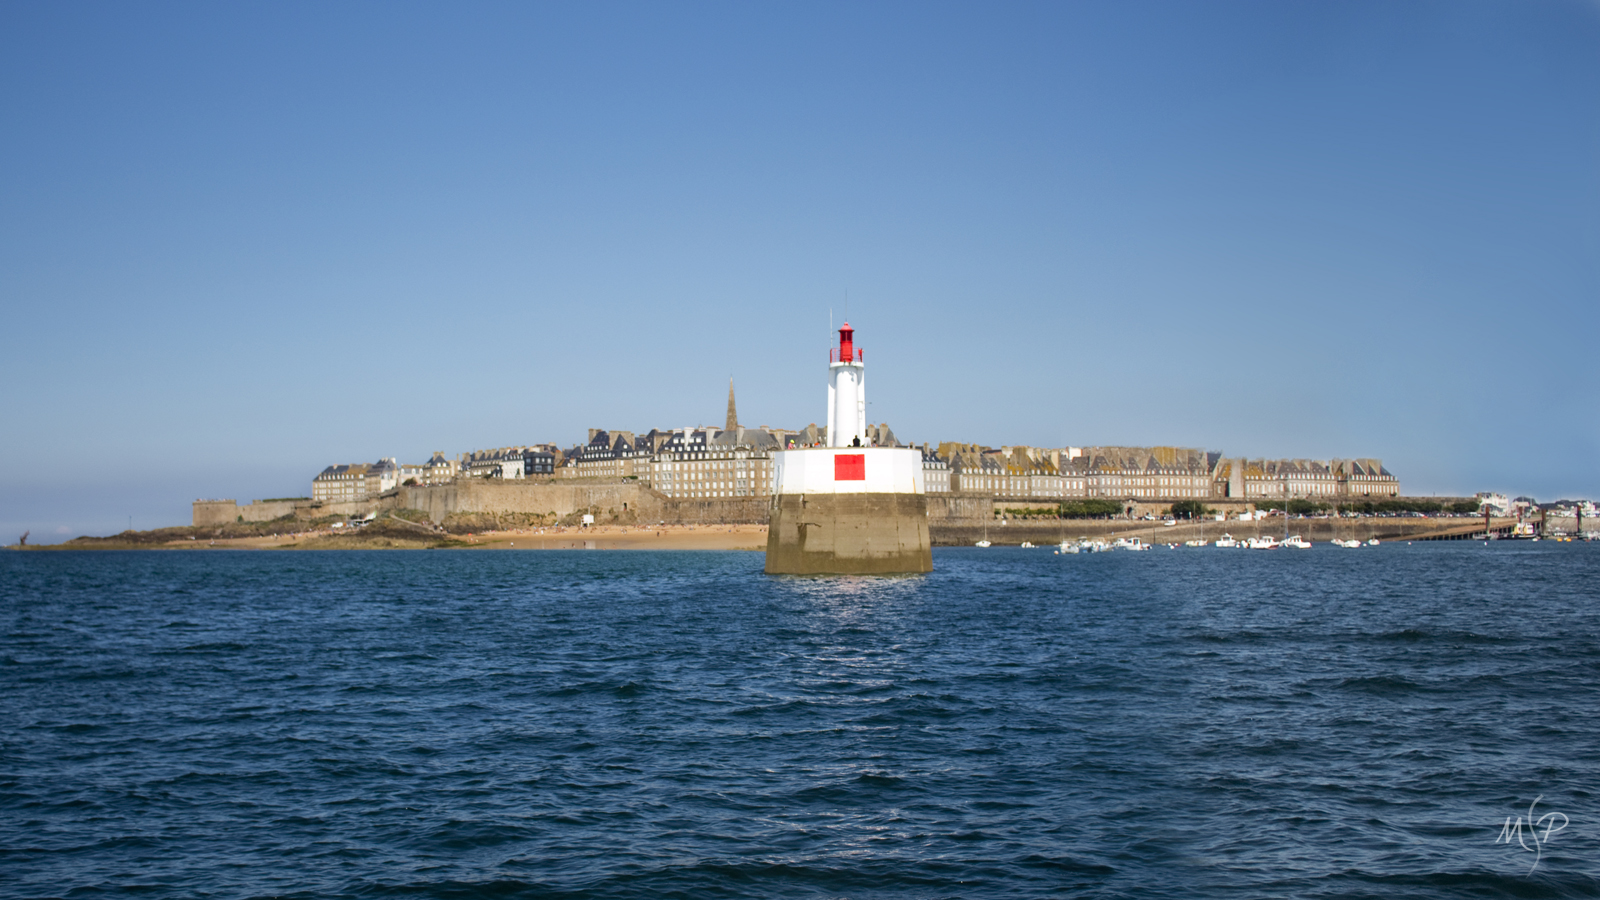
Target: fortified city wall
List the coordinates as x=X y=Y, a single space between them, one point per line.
x=218 y=512
x=561 y=498
x=491 y=497
x=974 y=507
x=628 y=501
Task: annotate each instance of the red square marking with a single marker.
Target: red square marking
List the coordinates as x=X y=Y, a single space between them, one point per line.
x=850 y=467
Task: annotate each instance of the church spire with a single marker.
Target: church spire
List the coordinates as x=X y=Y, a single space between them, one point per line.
x=733 y=415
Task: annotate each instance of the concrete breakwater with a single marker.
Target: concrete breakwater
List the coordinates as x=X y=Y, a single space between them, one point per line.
x=848 y=534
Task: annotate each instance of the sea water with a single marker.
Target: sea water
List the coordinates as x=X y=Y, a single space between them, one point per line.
x=1188 y=723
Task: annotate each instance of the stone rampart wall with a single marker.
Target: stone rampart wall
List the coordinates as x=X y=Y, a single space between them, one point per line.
x=727 y=511
x=630 y=501
x=267 y=510
x=956 y=507
x=626 y=501
x=317 y=510
x=558 y=499
x=215 y=512
x=218 y=512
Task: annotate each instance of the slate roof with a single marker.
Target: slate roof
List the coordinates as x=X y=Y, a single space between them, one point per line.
x=754 y=438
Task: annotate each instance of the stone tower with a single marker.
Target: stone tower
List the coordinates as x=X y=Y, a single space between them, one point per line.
x=733 y=414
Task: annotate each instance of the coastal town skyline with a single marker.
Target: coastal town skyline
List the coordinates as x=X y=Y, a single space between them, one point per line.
x=918 y=448
x=243 y=244
x=1013 y=472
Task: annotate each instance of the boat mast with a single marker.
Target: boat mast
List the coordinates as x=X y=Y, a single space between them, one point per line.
x=1286 y=505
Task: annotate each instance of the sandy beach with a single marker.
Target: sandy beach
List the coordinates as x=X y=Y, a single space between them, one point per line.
x=612 y=537
x=599 y=537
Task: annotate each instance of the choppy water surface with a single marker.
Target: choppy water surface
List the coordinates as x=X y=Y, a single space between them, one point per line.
x=1187 y=724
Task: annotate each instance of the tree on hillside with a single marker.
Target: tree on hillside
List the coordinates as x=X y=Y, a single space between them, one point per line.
x=1190 y=509
x=1090 y=509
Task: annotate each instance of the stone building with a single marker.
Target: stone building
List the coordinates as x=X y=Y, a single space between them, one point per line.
x=540 y=461
x=935 y=472
x=608 y=454
x=482 y=463
x=355 y=481
x=1282 y=479
x=809 y=436
x=710 y=463
x=976 y=470
x=699 y=462
x=1366 y=478
x=1149 y=473
x=1011 y=473
x=1310 y=479
x=438 y=470
x=506 y=463
x=1037 y=474
x=703 y=462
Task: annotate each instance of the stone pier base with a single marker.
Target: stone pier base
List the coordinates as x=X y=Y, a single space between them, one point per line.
x=848 y=534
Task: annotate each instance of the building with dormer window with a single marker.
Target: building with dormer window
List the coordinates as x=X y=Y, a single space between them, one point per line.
x=356 y=481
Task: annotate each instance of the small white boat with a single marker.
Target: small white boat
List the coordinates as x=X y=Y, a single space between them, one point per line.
x=983 y=543
x=1262 y=543
x=1130 y=544
x=1083 y=545
x=1372 y=543
x=1026 y=545
x=1226 y=541
x=1296 y=542
x=1350 y=544
x=1194 y=543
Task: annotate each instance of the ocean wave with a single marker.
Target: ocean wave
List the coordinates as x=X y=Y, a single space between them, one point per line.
x=360 y=725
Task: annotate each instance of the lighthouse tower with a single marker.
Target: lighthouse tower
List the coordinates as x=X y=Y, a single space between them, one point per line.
x=848 y=508
x=847 y=393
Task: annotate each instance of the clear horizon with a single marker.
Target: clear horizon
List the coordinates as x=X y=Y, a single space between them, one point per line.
x=244 y=243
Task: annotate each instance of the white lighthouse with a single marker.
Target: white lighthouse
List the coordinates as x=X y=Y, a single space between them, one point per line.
x=847 y=393
x=848 y=508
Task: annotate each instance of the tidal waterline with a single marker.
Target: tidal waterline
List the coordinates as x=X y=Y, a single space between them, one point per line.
x=1184 y=723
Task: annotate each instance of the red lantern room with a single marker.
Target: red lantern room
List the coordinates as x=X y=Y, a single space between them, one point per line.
x=847 y=351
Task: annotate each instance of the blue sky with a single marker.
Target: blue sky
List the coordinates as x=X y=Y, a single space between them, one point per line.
x=240 y=242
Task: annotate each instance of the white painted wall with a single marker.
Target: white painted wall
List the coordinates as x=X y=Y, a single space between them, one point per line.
x=889 y=470
x=847 y=403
